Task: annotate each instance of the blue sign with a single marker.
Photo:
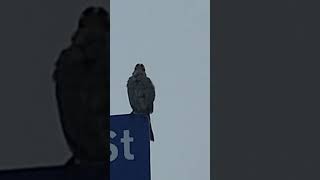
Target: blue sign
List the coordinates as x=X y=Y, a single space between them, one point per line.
x=129 y=147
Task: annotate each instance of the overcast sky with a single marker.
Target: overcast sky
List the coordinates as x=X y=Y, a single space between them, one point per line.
x=172 y=39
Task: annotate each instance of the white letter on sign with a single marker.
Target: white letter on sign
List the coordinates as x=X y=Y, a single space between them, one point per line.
x=126 y=144
x=113 y=148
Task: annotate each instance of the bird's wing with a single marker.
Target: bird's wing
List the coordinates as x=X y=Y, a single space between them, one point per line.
x=67 y=75
x=130 y=90
x=69 y=64
x=149 y=94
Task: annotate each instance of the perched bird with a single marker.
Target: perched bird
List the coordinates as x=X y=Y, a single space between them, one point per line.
x=81 y=77
x=141 y=93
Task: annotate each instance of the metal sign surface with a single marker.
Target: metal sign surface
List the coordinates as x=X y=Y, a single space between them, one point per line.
x=129 y=147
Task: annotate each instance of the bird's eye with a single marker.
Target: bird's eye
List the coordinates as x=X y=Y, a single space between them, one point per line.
x=142 y=66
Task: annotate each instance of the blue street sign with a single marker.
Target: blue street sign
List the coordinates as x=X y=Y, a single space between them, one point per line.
x=129 y=147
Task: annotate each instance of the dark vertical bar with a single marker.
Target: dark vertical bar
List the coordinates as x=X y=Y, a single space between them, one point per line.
x=82 y=76
x=266 y=89
x=108 y=119
x=55 y=54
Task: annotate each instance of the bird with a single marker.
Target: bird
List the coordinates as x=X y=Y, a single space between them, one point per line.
x=81 y=77
x=141 y=94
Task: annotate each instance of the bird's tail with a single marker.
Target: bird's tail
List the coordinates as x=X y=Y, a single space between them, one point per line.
x=151 y=131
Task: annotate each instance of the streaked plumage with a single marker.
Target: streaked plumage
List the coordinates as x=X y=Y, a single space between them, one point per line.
x=141 y=93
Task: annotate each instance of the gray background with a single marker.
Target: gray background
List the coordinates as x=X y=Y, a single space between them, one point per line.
x=266 y=89
x=172 y=39
x=32 y=35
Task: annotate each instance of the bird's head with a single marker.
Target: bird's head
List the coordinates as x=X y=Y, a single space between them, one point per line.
x=94 y=24
x=139 y=70
x=95 y=17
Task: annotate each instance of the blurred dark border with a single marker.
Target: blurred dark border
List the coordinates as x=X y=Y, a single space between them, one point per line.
x=96 y=170
x=79 y=172
x=265 y=89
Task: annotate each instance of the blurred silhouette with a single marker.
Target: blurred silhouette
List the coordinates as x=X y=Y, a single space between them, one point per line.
x=81 y=76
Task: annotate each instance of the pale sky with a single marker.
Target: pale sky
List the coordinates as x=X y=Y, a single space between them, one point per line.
x=171 y=38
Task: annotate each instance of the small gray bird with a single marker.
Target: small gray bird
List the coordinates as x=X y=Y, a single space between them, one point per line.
x=141 y=93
